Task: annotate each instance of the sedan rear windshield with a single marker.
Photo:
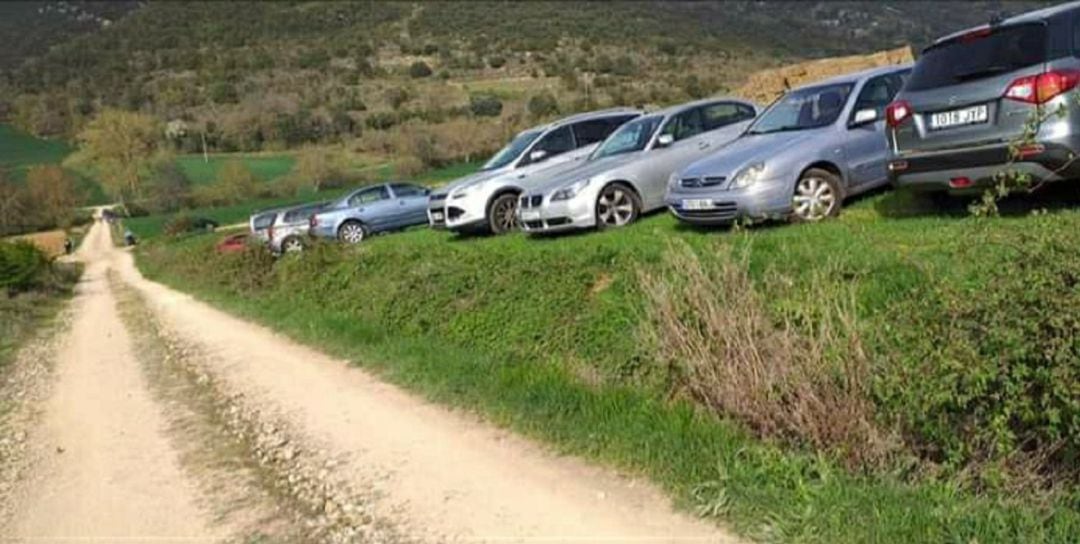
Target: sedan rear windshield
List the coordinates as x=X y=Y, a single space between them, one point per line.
x=978 y=55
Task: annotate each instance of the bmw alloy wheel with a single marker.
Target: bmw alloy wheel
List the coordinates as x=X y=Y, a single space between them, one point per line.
x=815 y=198
x=615 y=207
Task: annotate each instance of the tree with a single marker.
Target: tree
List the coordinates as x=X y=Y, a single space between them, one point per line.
x=543 y=105
x=51 y=196
x=12 y=208
x=318 y=167
x=120 y=146
x=235 y=183
x=419 y=69
x=170 y=189
x=485 y=105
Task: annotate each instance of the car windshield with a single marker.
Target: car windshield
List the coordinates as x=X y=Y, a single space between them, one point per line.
x=516 y=146
x=979 y=54
x=632 y=136
x=803 y=109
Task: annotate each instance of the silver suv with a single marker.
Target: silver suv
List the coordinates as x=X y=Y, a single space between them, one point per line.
x=972 y=94
x=289 y=228
x=487 y=200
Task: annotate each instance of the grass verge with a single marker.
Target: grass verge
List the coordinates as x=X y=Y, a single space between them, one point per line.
x=545 y=336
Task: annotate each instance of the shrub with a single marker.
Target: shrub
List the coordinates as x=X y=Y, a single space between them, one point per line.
x=22 y=267
x=408 y=166
x=985 y=377
x=496 y=61
x=485 y=105
x=419 y=69
x=381 y=120
x=179 y=224
x=543 y=105
x=807 y=385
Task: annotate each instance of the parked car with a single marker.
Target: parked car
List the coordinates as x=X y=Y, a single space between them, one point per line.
x=811 y=149
x=487 y=200
x=233 y=243
x=259 y=225
x=627 y=174
x=971 y=96
x=371 y=210
x=288 y=229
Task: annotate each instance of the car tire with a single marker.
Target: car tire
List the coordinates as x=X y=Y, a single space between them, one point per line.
x=292 y=244
x=617 y=206
x=352 y=232
x=502 y=214
x=817 y=196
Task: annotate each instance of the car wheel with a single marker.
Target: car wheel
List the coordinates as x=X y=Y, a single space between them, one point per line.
x=616 y=206
x=502 y=214
x=352 y=232
x=292 y=244
x=817 y=196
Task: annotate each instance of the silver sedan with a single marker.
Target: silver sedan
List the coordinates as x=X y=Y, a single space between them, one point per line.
x=627 y=174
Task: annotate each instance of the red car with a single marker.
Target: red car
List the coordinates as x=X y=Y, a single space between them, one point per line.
x=232 y=244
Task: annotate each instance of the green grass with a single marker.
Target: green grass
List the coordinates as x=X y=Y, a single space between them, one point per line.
x=265 y=168
x=541 y=336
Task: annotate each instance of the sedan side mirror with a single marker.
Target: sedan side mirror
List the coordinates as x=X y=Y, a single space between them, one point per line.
x=537 y=155
x=863 y=117
x=665 y=140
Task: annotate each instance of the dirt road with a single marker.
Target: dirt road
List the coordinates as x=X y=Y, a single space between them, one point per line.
x=332 y=452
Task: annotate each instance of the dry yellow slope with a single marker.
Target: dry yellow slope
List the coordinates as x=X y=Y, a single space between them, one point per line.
x=765 y=86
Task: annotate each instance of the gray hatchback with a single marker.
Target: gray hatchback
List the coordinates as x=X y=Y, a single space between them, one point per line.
x=964 y=114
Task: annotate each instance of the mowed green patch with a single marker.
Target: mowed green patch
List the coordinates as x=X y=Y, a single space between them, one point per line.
x=264 y=167
x=543 y=336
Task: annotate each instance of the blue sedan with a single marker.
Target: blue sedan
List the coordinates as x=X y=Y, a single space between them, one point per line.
x=370 y=210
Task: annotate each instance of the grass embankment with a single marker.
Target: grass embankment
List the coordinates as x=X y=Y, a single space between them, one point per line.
x=32 y=290
x=152 y=225
x=967 y=329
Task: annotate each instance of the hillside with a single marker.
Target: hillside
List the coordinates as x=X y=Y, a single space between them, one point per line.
x=272 y=75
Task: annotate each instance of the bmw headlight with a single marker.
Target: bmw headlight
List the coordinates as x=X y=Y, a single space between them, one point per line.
x=567 y=192
x=748 y=176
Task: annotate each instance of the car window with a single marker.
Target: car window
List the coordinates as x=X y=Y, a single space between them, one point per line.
x=301 y=214
x=878 y=93
x=557 y=142
x=721 y=114
x=685 y=124
x=596 y=130
x=405 y=189
x=367 y=196
x=509 y=153
x=980 y=54
x=264 y=220
x=631 y=137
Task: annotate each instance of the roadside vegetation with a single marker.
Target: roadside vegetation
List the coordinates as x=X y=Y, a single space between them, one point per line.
x=904 y=373
x=32 y=287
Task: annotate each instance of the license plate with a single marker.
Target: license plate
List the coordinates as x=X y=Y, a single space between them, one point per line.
x=530 y=215
x=697 y=204
x=966 y=116
x=437 y=216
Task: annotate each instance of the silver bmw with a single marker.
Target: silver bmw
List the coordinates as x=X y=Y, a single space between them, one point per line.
x=627 y=174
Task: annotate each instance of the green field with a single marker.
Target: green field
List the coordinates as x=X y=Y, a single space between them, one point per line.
x=961 y=319
x=265 y=168
x=19 y=151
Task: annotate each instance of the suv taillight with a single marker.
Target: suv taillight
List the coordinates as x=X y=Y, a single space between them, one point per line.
x=270 y=232
x=314 y=222
x=1042 y=88
x=897 y=112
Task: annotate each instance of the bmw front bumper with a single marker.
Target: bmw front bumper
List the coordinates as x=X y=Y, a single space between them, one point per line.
x=540 y=215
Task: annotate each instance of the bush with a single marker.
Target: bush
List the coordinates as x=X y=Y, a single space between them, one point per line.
x=485 y=105
x=408 y=166
x=988 y=374
x=496 y=61
x=543 y=105
x=179 y=224
x=419 y=69
x=22 y=267
x=808 y=385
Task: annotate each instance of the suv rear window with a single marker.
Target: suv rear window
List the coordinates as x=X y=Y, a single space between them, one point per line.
x=966 y=59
